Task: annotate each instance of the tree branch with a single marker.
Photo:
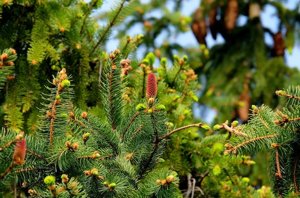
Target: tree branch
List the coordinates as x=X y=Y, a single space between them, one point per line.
x=179 y=129
x=234 y=131
x=111 y=23
x=234 y=148
x=8 y=170
x=130 y=123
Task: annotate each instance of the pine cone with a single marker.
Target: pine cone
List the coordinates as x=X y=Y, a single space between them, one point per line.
x=151 y=86
x=213 y=23
x=199 y=26
x=231 y=14
x=279 y=45
x=20 y=152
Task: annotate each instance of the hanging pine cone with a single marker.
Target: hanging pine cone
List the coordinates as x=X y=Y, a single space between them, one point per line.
x=244 y=101
x=279 y=45
x=243 y=110
x=231 y=14
x=199 y=26
x=213 y=23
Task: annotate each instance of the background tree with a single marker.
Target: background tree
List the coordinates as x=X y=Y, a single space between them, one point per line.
x=52 y=35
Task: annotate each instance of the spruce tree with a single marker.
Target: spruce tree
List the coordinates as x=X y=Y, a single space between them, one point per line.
x=74 y=154
x=275 y=132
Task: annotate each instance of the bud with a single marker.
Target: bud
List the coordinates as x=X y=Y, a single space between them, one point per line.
x=151 y=101
x=245 y=180
x=158 y=181
x=13 y=51
x=65 y=83
x=217 y=127
x=234 y=123
x=280 y=92
x=151 y=58
x=85 y=137
x=20 y=152
x=140 y=107
x=161 y=107
x=129 y=156
x=75 y=146
x=20 y=136
x=112 y=185
x=49 y=180
x=151 y=86
x=94 y=171
x=4 y=56
x=205 y=126
x=64 y=178
x=105 y=183
x=84 y=115
x=163 y=182
x=163 y=61
x=170 y=179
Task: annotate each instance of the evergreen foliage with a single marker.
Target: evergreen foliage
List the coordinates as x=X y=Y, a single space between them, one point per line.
x=84 y=141
x=276 y=133
x=116 y=158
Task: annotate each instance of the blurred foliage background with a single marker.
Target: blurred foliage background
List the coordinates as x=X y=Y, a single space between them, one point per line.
x=235 y=59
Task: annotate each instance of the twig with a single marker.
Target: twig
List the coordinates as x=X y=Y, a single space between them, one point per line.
x=87 y=15
x=136 y=132
x=288 y=95
x=155 y=148
x=8 y=170
x=7 y=145
x=250 y=141
x=189 y=190
x=205 y=174
x=193 y=187
x=234 y=131
x=112 y=22
x=278 y=173
x=179 y=129
x=130 y=123
x=36 y=154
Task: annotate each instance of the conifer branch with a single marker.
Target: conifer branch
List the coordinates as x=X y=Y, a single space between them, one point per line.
x=110 y=79
x=263 y=121
x=93 y=156
x=94 y=3
x=8 y=170
x=234 y=148
x=53 y=117
x=155 y=148
x=286 y=120
x=7 y=145
x=136 y=131
x=180 y=129
x=36 y=154
x=79 y=122
x=283 y=93
x=28 y=169
x=277 y=161
x=130 y=123
x=234 y=131
x=110 y=25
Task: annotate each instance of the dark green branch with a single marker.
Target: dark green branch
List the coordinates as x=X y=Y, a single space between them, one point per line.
x=110 y=25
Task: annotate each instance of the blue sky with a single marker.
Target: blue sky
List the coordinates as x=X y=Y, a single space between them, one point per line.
x=268 y=18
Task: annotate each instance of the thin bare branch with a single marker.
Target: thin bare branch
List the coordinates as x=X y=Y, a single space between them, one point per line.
x=180 y=129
